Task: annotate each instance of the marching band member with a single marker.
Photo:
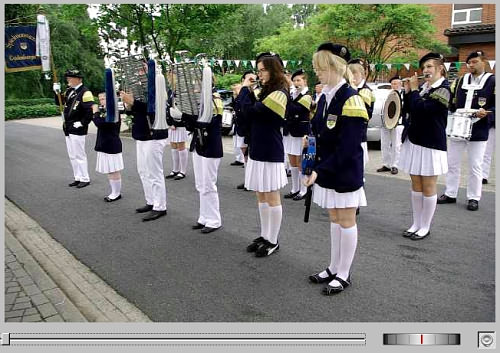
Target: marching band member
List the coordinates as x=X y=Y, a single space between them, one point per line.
x=338 y=125
x=265 y=171
x=109 y=149
x=390 y=139
x=206 y=148
x=150 y=145
x=359 y=83
x=423 y=154
x=178 y=138
x=488 y=153
x=78 y=101
x=475 y=90
x=298 y=126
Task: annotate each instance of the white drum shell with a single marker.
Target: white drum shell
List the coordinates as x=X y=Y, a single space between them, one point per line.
x=459 y=126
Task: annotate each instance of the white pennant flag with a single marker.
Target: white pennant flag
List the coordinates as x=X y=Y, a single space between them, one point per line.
x=285 y=62
x=253 y=63
x=237 y=63
x=372 y=67
x=388 y=66
x=492 y=63
x=220 y=62
x=447 y=66
x=407 y=66
x=300 y=62
x=43 y=41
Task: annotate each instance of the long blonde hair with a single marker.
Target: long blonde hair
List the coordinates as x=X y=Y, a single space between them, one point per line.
x=326 y=60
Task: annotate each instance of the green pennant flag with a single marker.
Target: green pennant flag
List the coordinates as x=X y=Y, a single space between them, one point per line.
x=292 y=63
x=244 y=63
x=415 y=64
x=228 y=62
x=398 y=66
x=378 y=67
x=212 y=62
x=458 y=65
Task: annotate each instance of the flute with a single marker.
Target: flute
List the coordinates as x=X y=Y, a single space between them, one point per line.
x=419 y=77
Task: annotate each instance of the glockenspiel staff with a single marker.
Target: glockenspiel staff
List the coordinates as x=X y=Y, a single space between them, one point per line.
x=423 y=153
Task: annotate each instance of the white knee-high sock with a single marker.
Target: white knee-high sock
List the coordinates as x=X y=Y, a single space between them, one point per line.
x=303 y=188
x=416 y=206
x=335 y=250
x=183 y=157
x=275 y=213
x=428 y=209
x=348 y=244
x=264 y=219
x=116 y=188
x=175 y=159
x=295 y=179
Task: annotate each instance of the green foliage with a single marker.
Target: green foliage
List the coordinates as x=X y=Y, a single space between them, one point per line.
x=225 y=82
x=31 y=111
x=35 y=101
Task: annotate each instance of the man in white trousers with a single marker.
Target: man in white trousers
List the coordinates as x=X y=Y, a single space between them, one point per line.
x=78 y=101
x=488 y=154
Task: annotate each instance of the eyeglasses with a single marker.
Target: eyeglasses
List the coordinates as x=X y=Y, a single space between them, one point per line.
x=261 y=70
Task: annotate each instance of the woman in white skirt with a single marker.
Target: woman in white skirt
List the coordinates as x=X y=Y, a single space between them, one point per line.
x=337 y=175
x=423 y=153
x=265 y=171
x=109 y=149
x=178 y=137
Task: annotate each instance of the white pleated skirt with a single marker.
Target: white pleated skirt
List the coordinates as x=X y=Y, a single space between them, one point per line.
x=239 y=141
x=109 y=163
x=292 y=145
x=329 y=198
x=177 y=135
x=418 y=160
x=265 y=176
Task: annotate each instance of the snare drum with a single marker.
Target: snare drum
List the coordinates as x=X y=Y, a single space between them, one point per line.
x=459 y=126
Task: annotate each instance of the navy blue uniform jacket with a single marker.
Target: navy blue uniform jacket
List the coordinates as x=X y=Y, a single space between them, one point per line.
x=108 y=135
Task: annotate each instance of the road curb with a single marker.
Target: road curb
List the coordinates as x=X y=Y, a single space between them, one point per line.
x=66 y=277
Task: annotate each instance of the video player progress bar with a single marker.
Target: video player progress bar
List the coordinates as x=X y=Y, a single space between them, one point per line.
x=282 y=338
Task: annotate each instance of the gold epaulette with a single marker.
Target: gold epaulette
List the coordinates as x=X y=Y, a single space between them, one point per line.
x=87 y=97
x=442 y=95
x=218 y=106
x=306 y=101
x=367 y=95
x=355 y=107
x=276 y=101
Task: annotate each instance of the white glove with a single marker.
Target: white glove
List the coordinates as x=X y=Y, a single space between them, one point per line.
x=175 y=113
x=77 y=124
x=56 y=87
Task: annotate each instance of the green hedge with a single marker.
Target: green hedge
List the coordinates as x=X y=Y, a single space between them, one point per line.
x=33 y=111
x=34 y=101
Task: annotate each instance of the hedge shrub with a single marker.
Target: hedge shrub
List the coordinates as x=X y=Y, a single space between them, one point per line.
x=30 y=111
x=34 y=101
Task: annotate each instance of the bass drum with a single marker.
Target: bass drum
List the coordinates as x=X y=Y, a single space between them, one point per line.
x=387 y=107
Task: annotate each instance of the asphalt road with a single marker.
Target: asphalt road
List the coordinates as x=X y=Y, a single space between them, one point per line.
x=173 y=273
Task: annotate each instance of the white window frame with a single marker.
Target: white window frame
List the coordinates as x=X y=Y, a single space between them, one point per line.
x=467 y=17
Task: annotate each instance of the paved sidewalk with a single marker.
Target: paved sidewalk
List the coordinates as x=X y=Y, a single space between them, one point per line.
x=45 y=283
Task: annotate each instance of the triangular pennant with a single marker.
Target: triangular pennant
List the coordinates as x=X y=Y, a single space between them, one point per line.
x=300 y=62
x=407 y=66
x=244 y=63
x=292 y=63
x=447 y=65
x=398 y=66
x=237 y=63
x=415 y=64
x=458 y=65
x=285 y=62
x=212 y=62
x=378 y=67
x=220 y=62
x=388 y=66
x=492 y=63
x=372 y=67
x=228 y=63
x=253 y=63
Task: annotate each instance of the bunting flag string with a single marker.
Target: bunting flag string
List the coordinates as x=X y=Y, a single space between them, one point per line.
x=237 y=63
x=492 y=63
x=447 y=66
x=220 y=62
x=285 y=62
x=253 y=63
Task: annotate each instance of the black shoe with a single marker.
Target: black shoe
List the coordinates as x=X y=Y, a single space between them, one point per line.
x=266 y=249
x=485 y=181
x=256 y=243
x=83 y=184
x=171 y=175
x=237 y=163
x=472 y=205
x=76 y=182
x=317 y=279
x=108 y=199
x=407 y=234
x=357 y=211
x=180 y=176
x=240 y=186
x=291 y=195
x=299 y=197
x=198 y=226
x=383 y=169
x=394 y=170
x=331 y=290
x=288 y=173
x=415 y=236
x=154 y=215
x=143 y=209
x=206 y=230
x=446 y=199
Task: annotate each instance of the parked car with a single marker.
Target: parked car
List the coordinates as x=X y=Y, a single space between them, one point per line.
x=228 y=113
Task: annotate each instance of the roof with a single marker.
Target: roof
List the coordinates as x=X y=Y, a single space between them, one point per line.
x=470 y=29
